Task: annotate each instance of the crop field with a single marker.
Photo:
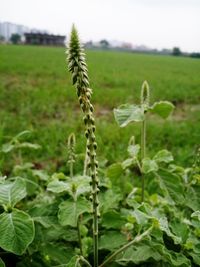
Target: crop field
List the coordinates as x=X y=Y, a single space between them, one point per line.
x=101 y=177
x=36 y=94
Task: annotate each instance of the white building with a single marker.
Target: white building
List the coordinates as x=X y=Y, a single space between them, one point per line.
x=8 y=28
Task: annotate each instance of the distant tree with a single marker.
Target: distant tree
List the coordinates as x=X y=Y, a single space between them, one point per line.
x=195 y=55
x=176 y=51
x=104 y=43
x=15 y=38
x=2 y=39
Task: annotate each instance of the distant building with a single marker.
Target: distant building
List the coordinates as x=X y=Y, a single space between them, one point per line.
x=8 y=28
x=44 y=39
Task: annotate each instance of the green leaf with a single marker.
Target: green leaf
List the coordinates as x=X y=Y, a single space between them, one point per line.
x=163 y=225
x=133 y=150
x=163 y=156
x=109 y=200
x=193 y=197
x=6 y=148
x=112 y=240
x=28 y=145
x=2 y=264
x=74 y=262
x=16 y=231
x=114 y=172
x=113 y=220
x=149 y=165
x=70 y=210
x=127 y=113
x=127 y=163
x=12 y=193
x=162 y=108
x=75 y=186
x=172 y=186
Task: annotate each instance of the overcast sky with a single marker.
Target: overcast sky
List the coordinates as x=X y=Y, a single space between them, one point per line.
x=155 y=23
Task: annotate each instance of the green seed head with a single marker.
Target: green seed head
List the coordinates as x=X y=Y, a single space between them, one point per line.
x=145 y=95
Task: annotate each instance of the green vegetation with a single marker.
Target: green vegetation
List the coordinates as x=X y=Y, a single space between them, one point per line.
x=50 y=202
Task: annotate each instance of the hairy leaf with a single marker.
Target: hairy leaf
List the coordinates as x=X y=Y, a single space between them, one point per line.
x=149 y=165
x=127 y=113
x=12 y=192
x=16 y=231
x=162 y=108
x=70 y=210
x=163 y=156
x=112 y=240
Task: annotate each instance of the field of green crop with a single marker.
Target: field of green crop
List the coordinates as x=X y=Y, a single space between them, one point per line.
x=36 y=94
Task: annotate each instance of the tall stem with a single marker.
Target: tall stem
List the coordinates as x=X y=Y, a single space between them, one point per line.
x=143 y=152
x=71 y=169
x=79 y=236
x=135 y=240
x=85 y=170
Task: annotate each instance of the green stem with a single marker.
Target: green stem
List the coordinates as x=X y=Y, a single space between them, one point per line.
x=85 y=170
x=71 y=169
x=79 y=236
x=143 y=152
x=135 y=240
x=85 y=261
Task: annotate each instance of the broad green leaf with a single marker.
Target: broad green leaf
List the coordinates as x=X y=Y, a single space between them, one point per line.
x=113 y=220
x=148 y=250
x=138 y=216
x=74 y=262
x=180 y=229
x=193 y=197
x=57 y=186
x=127 y=163
x=112 y=240
x=2 y=264
x=115 y=172
x=163 y=225
x=139 y=253
x=127 y=113
x=149 y=165
x=12 y=192
x=16 y=231
x=163 y=156
x=109 y=200
x=133 y=150
x=196 y=214
x=57 y=253
x=171 y=186
x=75 y=186
x=162 y=108
x=6 y=148
x=70 y=210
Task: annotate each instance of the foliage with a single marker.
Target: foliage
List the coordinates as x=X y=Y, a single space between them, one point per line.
x=15 y=38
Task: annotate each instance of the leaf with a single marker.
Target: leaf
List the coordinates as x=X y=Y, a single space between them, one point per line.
x=28 y=145
x=7 y=147
x=193 y=197
x=16 y=231
x=70 y=210
x=12 y=193
x=75 y=186
x=113 y=220
x=163 y=225
x=74 y=262
x=2 y=264
x=162 y=108
x=112 y=240
x=127 y=163
x=163 y=156
x=172 y=186
x=196 y=214
x=149 y=165
x=127 y=113
x=109 y=200
x=133 y=150
x=114 y=172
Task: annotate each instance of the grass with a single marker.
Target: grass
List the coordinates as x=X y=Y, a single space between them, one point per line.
x=36 y=94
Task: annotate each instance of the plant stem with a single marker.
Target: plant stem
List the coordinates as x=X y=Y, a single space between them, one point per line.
x=71 y=169
x=143 y=152
x=85 y=170
x=79 y=236
x=135 y=240
x=85 y=261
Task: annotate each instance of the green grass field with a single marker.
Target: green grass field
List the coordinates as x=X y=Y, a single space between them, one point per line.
x=36 y=94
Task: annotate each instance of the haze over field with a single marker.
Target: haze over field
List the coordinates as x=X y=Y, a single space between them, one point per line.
x=158 y=24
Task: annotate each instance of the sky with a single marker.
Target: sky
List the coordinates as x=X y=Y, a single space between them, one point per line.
x=154 y=23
